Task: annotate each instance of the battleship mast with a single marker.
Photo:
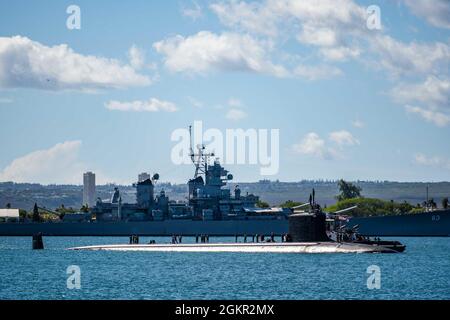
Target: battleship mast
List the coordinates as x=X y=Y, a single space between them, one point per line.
x=199 y=159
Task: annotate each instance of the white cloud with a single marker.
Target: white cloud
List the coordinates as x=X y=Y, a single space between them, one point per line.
x=206 y=51
x=343 y=137
x=324 y=24
x=412 y=58
x=58 y=164
x=337 y=28
x=152 y=105
x=438 y=118
x=233 y=102
x=235 y=114
x=317 y=72
x=196 y=103
x=252 y=17
x=313 y=145
x=322 y=37
x=436 y=12
x=358 y=124
x=137 y=57
x=194 y=12
x=340 y=53
x=433 y=92
x=434 y=161
x=29 y=64
x=432 y=97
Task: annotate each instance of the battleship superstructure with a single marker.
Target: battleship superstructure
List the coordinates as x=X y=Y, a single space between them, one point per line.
x=210 y=208
x=208 y=199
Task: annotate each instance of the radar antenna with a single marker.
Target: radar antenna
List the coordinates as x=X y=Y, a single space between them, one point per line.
x=199 y=159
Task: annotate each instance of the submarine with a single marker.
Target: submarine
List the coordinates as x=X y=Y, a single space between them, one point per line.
x=307 y=234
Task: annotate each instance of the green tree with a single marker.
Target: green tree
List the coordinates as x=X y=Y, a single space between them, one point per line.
x=373 y=207
x=348 y=191
x=62 y=210
x=36 y=216
x=290 y=204
x=23 y=213
x=404 y=207
x=262 y=204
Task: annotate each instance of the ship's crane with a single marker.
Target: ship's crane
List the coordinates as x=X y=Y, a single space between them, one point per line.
x=199 y=159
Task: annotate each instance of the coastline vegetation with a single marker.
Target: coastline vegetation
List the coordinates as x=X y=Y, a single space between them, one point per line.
x=350 y=195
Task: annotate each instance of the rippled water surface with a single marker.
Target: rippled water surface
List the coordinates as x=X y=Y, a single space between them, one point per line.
x=422 y=272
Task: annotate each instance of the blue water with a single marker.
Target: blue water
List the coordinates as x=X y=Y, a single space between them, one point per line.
x=422 y=272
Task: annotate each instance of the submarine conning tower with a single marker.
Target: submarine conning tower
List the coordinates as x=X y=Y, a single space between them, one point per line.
x=308 y=227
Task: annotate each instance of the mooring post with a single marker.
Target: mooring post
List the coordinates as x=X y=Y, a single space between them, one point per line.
x=38 y=244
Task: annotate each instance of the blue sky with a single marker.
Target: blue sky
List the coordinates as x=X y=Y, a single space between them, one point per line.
x=349 y=102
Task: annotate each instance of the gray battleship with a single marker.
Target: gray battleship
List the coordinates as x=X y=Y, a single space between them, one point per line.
x=208 y=199
x=430 y=223
x=211 y=209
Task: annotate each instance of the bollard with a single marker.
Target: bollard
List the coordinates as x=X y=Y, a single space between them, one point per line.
x=38 y=244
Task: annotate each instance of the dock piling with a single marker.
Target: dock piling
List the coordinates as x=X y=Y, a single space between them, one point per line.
x=38 y=243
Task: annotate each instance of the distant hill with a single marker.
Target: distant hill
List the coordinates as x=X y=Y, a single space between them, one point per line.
x=413 y=192
x=24 y=195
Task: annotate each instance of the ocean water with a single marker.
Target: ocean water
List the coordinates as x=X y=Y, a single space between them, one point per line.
x=422 y=272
